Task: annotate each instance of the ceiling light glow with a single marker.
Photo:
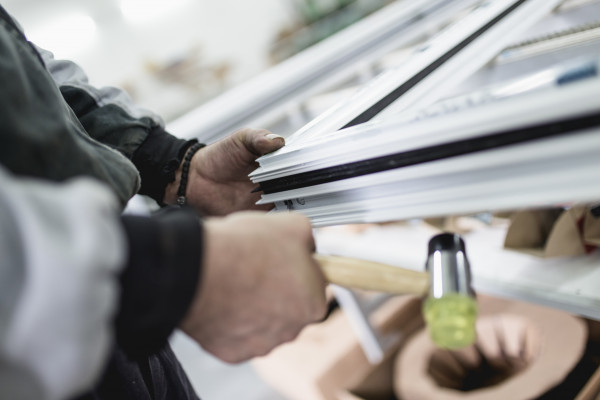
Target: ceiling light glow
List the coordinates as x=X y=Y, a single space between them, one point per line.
x=145 y=11
x=66 y=35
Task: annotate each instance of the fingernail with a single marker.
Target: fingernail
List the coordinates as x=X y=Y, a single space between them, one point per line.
x=273 y=136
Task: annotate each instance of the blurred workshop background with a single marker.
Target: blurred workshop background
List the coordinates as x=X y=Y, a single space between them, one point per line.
x=173 y=55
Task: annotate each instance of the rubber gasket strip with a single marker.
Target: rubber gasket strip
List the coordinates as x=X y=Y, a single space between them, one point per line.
x=395 y=94
x=432 y=153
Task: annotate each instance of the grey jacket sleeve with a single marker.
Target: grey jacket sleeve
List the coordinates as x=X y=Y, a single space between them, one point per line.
x=110 y=116
x=57 y=305
x=108 y=113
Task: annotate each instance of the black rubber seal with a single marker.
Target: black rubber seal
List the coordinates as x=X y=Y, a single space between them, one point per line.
x=432 y=153
x=384 y=102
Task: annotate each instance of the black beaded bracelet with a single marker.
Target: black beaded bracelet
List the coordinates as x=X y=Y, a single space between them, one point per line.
x=185 y=169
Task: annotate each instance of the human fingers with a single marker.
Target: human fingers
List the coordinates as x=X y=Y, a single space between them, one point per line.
x=260 y=141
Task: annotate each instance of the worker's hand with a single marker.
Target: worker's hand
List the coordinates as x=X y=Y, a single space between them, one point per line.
x=260 y=285
x=218 y=181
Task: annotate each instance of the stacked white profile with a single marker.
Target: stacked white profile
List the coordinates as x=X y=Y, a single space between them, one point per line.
x=528 y=143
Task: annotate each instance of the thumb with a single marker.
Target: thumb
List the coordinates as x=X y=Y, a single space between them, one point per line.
x=263 y=142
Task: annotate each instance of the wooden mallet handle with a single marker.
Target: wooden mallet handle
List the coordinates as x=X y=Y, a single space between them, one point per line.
x=369 y=275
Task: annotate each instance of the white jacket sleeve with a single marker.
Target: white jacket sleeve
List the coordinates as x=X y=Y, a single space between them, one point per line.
x=62 y=248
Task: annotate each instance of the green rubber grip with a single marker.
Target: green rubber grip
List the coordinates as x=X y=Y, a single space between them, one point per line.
x=451 y=320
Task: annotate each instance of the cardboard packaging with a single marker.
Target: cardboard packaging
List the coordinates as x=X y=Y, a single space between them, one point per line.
x=554 y=232
x=326 y=358
x=591 y=228
x=326 y=361
x=522 y=351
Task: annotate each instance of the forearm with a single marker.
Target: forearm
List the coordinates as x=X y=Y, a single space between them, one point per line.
x=108 y=113
x=110 y=116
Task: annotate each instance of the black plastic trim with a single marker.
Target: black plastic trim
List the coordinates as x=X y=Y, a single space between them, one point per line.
x=432 y=153
x=388 y=99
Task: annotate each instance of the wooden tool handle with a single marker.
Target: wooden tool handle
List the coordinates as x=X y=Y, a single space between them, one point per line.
x=369 y=275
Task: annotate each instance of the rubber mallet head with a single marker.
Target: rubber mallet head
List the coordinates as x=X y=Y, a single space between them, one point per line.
x=450 y=309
